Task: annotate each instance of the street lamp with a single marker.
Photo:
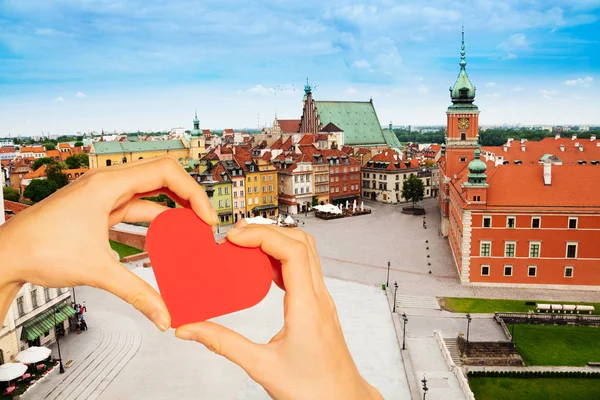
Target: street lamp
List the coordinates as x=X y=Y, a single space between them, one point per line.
x=387 y=281
x=405 y=319
x=74 y=299
x=395 y=292
x=468 y=327
x=425 y=388
x=62 y=368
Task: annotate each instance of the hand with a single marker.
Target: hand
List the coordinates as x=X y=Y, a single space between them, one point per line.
x=63 y=240
x=308 y=358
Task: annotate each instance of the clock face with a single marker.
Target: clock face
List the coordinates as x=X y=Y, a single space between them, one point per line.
x=463 y=123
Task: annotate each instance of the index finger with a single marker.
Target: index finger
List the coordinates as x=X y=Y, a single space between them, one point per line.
x=158 y=173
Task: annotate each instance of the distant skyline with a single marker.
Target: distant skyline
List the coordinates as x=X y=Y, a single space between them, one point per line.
x=83 y=65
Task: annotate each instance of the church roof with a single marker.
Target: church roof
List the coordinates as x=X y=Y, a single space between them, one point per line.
x=357 y=119
x=289 y=125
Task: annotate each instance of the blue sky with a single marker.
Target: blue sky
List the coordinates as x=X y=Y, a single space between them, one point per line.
x=81 y=65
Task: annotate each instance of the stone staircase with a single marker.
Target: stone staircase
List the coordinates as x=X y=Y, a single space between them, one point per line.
x=452 y=346
x=428 y=302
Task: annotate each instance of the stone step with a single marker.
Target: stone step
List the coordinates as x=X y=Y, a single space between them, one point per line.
x=453 y=349
x=427 y=302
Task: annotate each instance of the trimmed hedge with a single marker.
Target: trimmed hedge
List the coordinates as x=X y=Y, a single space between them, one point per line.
x=534 y=374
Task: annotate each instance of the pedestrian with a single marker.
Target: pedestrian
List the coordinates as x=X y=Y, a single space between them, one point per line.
x=84 y=307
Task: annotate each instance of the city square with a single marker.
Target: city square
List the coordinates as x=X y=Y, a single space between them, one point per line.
x=124 y=356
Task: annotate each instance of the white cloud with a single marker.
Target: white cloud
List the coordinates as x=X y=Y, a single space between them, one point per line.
x=423 y=90
x=548 y=94
x=495 y=94
x=362 y=64
x=45 y=32
x=511 y=56
x=514 y=42
x=80 y=95
x=351 y=91
x=490 y=84
x=585 y=82
x=517 y=89
x=58 y=100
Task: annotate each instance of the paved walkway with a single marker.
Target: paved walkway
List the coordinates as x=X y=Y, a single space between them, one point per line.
x=98 y=356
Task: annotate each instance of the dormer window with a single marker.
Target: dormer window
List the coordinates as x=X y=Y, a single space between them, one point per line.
x=463 y=93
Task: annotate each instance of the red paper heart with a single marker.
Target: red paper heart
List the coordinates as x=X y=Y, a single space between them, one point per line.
x=199 y=279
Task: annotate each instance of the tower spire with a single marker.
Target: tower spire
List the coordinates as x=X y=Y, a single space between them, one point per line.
x=463 y=63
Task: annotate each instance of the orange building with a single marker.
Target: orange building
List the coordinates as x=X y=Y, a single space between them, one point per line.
x=523 y=214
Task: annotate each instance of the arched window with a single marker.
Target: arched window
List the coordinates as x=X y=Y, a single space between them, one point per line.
x=140 y=158
x=108 y=163
x=124 y=160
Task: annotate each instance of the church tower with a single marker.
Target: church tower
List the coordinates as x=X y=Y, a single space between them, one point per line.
x=197 y=140
x=463 y=121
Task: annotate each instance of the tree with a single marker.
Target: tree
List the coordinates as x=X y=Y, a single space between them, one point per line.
x=10 y=194
x=78 y=143
x=39 y=189
x=413 y=189
x=315 y=201
x=79 y=139
x=54 y=174
x=43 y=161
x=80 y=160
x=50 y=146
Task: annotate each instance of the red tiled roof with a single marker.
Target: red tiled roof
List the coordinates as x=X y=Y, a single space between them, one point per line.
x=228 y=131
x=392 y=159
x=322 y=137
x=64 y=146
x=39 y=149
x=26 y=149
x=72 y=172
x=267 y=156
x=432 y=150
x=4 y=150
x=38 y=173
x=307 y=139
x=14 y=207
x=53 y=153
x=206 y=131
x=331 y=127
x=289 y=125
x=534 y=150
x=287 y=145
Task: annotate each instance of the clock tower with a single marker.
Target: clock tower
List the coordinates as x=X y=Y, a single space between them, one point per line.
x=463 y=121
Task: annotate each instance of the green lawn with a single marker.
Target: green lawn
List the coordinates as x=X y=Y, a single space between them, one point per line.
x=123 y=249
x=464 y=305
x=535 y=389
x=557 y=345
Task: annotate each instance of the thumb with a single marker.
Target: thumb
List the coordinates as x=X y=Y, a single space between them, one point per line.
x=125 y=284
x=225 y=342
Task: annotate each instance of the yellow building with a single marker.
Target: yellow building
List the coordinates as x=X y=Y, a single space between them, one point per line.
x=112 y=153
x=261 y=185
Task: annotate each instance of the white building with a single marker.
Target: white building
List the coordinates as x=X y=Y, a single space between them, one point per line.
x=295 y=184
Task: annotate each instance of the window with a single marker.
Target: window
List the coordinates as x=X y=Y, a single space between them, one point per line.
x=242 y=192
x=463 y=159
x=108 y=163
x=485 y=270
x=249 y=189
x=256 y=200
x=270 y=177
x=486 y=249
x=242 y=203
x=220 y=203
x=21 y=306
x=235 y=204
x=264 y=188
x=264 y=199
x=508 y=270
x=573 y=223
x=571 y=250
x=487 y=222
x=509 y=249
x=34 y=299
x=569 y=272
x=250 y=201
x=332 y=190
x=264 y=178
x=220 y=191
x=296 y=191
x=296 y=178
x=270 y=199
x=534 y=249
x=255 y=178
x=46 y=294
x=270 y=188
x=510 y=222
x=536 y=222
x=463 y=136
x=255 y=189
x=531 y=270
x=226 y=189
x=242 y=183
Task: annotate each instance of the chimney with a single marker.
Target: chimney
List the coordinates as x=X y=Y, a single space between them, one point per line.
x=548 y=174
x=522 y=147
x=557 y=136
x=562 y=147
x=580 y=148
x=592 y=138
x=576 y=144
x=508 y=141
x=505 y=147
x=523 y=141
x=574 y=137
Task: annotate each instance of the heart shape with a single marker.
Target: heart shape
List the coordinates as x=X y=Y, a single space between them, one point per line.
x=199 y=279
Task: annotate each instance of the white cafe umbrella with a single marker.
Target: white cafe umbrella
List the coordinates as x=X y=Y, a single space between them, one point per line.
x=289 y=220
x=347 y=204
x=362 y=206
x=336 y=210
x=260 y=221
x=354 y=205
x=10 y=371
x=33 y=355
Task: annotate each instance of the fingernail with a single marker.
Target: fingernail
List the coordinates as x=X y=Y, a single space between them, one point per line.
x=161 y=321
x=185 y=335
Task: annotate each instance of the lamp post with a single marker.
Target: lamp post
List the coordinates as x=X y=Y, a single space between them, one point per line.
x=468 y=327
x=395 y=292
x=74 y=299
x=61 y=368
x=405 y=320
x=425 y=388
x=387 y=281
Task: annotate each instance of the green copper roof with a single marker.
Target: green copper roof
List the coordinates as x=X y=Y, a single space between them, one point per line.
x=477 y=170
x=358 y=120
x=133 y=147
x=463 y=91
